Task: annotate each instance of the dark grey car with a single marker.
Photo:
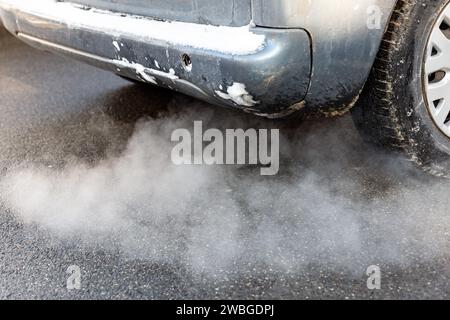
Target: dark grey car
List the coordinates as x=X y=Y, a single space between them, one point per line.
x=386 y=60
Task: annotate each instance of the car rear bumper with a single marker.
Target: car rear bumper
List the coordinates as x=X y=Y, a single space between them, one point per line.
x=260 y=70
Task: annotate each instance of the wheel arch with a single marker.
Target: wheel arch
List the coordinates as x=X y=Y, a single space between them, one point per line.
x=343 y=52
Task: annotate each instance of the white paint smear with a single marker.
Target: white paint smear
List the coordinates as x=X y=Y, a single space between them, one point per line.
x=229 y=40
x=146 y=74
x=238 y=94
x=116 y=45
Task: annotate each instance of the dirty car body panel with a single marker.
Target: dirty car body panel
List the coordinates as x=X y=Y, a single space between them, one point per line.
x=267 y=57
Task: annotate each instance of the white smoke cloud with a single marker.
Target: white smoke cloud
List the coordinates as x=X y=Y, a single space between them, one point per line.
x=335 y=202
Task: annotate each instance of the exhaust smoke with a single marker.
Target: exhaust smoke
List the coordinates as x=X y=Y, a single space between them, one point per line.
x=335 y=201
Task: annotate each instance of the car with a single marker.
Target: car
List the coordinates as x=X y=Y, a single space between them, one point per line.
x=385 y=61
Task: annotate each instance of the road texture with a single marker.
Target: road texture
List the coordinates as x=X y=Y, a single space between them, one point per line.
x=86 y=180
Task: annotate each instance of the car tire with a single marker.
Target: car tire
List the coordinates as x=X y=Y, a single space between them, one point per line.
x=394 y=110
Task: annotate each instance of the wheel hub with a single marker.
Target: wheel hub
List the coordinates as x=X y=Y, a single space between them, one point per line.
x=437 y=72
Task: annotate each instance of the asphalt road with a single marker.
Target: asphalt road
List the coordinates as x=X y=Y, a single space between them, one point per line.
x=85 y=181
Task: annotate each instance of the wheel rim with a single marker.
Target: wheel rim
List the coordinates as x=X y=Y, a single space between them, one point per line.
x=437 y=72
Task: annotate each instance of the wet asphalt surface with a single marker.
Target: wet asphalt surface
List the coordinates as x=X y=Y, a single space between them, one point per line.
x=55 y=112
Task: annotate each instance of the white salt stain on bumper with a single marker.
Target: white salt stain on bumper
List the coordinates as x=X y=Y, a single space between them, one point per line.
x=116 y=45
x=238 y=94
x=147 y=74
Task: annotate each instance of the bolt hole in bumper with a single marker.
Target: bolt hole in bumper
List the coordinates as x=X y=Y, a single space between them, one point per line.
x=259 y=70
